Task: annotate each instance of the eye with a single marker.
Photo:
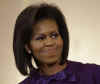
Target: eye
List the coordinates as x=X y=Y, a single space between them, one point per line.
x=54 y=35
x=42 y=37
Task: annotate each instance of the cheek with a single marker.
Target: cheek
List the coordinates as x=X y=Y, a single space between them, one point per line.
x=36 y=47
x=60 y=43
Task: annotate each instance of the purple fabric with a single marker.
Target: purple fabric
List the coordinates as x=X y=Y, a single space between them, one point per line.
x=74 y=73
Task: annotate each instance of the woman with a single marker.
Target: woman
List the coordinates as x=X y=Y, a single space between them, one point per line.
x=41 y=34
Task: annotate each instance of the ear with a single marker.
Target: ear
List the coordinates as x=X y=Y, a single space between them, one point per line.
x=28 y=49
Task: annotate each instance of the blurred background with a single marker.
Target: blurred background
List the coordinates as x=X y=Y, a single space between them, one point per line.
x=83 y=20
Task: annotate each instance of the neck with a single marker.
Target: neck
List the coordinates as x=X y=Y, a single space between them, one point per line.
x=51 y=69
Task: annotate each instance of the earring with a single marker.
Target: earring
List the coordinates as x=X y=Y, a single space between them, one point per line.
x=29 y=51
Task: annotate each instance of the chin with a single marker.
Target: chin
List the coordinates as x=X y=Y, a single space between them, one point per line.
x=52 y=61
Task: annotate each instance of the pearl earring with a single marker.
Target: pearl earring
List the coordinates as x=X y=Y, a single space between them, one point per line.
x=29 y=51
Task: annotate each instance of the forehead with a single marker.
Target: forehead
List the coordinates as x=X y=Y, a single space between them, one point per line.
x=45 y=26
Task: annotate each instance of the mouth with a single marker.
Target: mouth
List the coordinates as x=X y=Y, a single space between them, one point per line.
x=50 y=50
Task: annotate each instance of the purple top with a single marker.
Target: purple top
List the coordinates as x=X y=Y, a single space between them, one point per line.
x=74 y=73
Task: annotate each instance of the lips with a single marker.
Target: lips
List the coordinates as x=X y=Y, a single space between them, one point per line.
x=50 y=50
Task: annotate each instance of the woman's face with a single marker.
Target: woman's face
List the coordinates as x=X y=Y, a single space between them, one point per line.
x=46 y=43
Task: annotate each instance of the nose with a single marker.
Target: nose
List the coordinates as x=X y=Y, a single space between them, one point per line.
x=49 y=41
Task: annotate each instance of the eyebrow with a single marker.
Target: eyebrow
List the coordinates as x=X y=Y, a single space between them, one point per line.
x=46 y=32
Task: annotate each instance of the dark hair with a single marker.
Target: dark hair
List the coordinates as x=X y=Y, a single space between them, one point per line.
x=23 y=33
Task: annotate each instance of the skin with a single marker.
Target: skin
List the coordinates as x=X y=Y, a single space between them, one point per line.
x=47 y=46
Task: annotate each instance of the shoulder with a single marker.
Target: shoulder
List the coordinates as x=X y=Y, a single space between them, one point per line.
x=32 y=77
x=26 y=81
x=84 y=66
x=86 y=71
